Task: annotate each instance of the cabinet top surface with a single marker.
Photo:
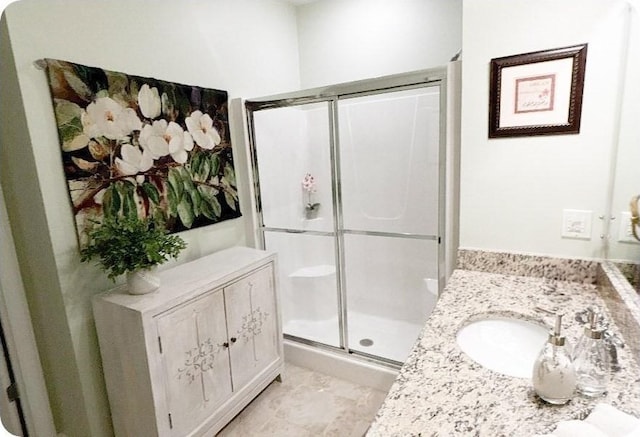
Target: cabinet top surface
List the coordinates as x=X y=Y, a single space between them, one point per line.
x=181 y=283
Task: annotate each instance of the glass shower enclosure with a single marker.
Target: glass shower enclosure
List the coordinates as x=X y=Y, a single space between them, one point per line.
x=349 y=189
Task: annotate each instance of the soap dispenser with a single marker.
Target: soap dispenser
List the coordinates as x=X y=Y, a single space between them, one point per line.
x=591 y=361
x=554 y=377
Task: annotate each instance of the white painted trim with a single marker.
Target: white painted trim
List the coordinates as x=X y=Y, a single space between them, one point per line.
x=242 y=162
x=18 y=330
x=452 y=184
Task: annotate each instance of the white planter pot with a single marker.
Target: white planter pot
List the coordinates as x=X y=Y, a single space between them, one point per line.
x=142 y=281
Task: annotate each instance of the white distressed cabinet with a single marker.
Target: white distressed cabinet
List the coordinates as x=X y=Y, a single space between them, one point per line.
x=184 y=360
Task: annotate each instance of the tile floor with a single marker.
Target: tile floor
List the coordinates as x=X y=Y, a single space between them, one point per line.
x=307 y=404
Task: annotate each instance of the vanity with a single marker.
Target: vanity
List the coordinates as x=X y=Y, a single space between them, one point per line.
x=185 y=359
x=441 y=391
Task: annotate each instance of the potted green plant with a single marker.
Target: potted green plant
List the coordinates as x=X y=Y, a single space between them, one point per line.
x=133 y=246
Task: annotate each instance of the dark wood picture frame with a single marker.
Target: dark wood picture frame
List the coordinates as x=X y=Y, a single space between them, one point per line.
x=537 y=93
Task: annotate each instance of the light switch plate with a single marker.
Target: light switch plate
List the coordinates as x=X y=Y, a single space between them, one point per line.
x=576 y=224
x=624 y=229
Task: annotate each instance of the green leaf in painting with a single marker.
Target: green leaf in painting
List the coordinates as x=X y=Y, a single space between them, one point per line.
x=185 y=212
x=72 y=135
x=205 y=170
x=215 y=164
x=230 y=174
x=172 y=201
x=217 y=208
x=231 y=201
x=167 y=105
x=196 y=201
x=66 y=111
x=210 y=205
x=77 y=85
x=70 y=126
x=129 y=208
x=151 y=192
x=207 y=191
x=175 y=181
x=200 y=167
x=111 y=202
x=118 y=83
x=187 y=179
x=196 y=163
x=207 y=211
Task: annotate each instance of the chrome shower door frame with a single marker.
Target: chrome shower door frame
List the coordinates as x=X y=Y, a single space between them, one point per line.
x=332 y=95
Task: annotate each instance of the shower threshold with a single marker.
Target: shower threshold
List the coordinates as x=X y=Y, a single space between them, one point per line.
x=371 y=335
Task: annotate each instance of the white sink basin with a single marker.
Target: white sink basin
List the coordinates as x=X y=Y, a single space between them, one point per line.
x=504 y=345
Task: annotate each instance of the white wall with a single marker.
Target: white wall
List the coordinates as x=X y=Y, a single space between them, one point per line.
x=513 y=191
x=246 y=47
x=345 y=40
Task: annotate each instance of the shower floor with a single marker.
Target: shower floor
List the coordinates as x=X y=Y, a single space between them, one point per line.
x=373 y=335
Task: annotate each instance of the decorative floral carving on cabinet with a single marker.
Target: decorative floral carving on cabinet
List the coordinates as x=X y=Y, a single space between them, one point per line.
x=199 y=360
x=252 y=324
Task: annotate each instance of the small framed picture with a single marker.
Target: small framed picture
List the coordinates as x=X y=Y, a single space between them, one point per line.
x=538 y=93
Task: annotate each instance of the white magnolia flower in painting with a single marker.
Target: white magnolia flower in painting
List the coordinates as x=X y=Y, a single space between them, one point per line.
x=107 y=118
x=89 y=126
x=201 y=128
x=149 y=101
x=162 y=138
x=133 y=160
x=178 y=147
x=152 y=139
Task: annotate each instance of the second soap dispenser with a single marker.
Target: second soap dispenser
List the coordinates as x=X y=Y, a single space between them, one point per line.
x=591 y=360
x=554 y=377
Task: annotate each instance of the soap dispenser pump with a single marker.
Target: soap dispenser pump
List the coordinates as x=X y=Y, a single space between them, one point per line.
x=554 y=377
x=591 y=361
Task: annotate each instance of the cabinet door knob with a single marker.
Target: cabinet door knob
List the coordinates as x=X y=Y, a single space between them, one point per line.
x=233 y=339
x=225 y=344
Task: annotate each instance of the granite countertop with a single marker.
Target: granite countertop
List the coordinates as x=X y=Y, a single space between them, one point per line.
x=440 y=391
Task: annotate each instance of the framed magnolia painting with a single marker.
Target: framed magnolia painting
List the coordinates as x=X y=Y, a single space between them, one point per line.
x=137 y=146
x=537 y=93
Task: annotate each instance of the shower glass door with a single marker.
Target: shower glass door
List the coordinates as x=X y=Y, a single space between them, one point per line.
x=296 y=198
x=389 y=158
x=349 y=189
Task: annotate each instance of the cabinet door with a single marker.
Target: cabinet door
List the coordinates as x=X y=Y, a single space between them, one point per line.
x=195 y=359
x=252 y=325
